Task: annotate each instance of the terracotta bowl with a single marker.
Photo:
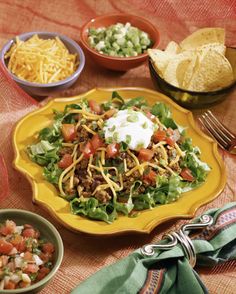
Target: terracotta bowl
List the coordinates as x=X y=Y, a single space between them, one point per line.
x=118 y=63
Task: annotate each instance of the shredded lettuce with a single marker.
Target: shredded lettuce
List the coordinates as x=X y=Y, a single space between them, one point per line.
x=168 y=188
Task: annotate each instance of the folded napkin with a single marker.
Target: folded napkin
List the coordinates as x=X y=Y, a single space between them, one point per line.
x=170 y=271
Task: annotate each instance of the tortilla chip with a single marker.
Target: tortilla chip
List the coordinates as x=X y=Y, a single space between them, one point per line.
x=160 y=59
x=172 y=48
x=213 y=72
x=175 y=71
x=202 y=37
x=214 y=46
x=189 y=72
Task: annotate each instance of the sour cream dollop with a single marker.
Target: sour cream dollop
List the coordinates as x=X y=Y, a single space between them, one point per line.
x=131 y=127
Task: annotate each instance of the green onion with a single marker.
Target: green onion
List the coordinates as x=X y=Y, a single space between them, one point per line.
x=122 y=40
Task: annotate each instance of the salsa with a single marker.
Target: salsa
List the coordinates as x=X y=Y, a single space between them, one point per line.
x=25 y=257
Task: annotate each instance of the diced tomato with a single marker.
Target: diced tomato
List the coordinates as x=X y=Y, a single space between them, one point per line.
x=48 y=248
x=10 y=285
x=28 y=256
x=23 y=284
x=5 y=247
x=149 y=115
x=112 y=150
x=68 y=132
x=27 y=226
x=44 y=270
x=150 y=177
x=45 y=257
x=145 y=154
x=31 y=268
x=186 y=174
x=3 y=260
x=169 y=132
x=28 y=233
x=96 y=142
x=95 y=107
x=172 y=136
x=88 y=150
x=19 y=243
x=66 y=161
x=170 y=141
x=8 y=228
x=159 y=136
x=109 y=113
x=42 y=273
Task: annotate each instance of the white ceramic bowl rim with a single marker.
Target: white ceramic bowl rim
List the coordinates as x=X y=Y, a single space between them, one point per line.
x=63 y=38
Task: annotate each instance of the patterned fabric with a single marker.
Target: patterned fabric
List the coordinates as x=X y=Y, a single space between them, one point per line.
x=154 y=281
x=169 y=271
x=84 y=255
x=224 y=220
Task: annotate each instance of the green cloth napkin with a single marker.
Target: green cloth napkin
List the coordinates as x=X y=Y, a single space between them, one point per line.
x=169 y=271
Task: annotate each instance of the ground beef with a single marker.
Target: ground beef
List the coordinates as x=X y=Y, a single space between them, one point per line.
x=98 y=177
x=65 y=150
x=171 y=154
x=123 y=155
x=83 y=164
x=86 y=183
x=86 y=194
x=130 y=162
x=83 y=135
x=95 y=184
x=175 y=167
x=102 y=196
x=141 y=189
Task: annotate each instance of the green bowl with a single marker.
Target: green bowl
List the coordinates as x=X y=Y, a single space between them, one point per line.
x=47 y=231
x=193 y=99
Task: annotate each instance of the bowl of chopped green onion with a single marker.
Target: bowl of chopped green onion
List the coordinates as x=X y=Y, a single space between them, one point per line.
x=119 y=41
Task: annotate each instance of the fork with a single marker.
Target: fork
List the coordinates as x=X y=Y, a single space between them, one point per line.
x=224 y=137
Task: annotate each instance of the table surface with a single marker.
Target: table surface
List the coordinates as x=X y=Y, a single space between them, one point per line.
x=175 y=19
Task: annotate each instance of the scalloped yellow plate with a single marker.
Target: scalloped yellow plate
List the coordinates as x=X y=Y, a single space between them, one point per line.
x=46 y=195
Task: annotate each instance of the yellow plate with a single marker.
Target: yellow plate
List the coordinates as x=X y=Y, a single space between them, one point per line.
x=46 y=195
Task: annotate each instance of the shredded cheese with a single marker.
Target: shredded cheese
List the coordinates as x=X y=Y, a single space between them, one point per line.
x=65 y=172
x=103 y=157
x=108 y=181
x=100 y=123
x=158 y=144
x=85 y=113
x=100 y=187
x=67 y=144
x=89 y=165
x=180 y=152
x=170 y=170
x=164 y=153
x=174 y=161
x=139 y=167
x=41 y=61
x=89 y=130
x=125 y=166
x=74 y=150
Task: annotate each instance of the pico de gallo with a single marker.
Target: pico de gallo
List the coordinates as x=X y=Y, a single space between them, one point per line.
x=25 y=257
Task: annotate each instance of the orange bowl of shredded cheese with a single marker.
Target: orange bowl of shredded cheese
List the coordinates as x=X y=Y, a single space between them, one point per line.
x=42 y=62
